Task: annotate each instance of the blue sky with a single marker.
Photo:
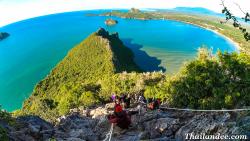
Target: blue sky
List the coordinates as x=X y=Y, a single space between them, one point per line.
x=16 y=10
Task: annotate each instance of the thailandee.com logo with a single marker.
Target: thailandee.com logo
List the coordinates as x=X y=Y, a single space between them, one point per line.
x=203 y=136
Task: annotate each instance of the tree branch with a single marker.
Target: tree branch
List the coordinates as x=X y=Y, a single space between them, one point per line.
x=236 y=23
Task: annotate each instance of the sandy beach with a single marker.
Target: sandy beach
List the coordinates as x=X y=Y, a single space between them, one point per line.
x=236 y=44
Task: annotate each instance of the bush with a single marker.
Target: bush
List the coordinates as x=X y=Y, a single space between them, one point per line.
x=68 y=101
x=212 y=82
x=6 y=117
x=88 y=99
x=3 y=134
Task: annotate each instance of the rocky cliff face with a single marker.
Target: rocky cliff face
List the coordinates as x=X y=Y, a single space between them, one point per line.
x=92 y=125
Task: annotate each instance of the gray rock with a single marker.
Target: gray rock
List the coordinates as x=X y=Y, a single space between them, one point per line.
x=150 y=125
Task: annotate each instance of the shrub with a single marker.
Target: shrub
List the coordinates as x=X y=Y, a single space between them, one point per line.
x=88 y=99
x=212 y=82
x=3 y=134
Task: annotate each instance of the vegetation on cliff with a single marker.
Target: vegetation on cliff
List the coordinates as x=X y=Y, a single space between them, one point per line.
x=209 y=82
x=75 y=81
x=5 y=118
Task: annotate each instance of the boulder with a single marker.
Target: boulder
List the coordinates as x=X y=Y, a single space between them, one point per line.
x=32 y=128
x=100 y=111
x=209 y=124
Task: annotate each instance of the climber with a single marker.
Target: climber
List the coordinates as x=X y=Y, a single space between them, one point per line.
x=122 y=99
x=157 y=103
x=154 y=104
x=113 y=97
x=142 y=99
x=118 y=108
x=120 y=117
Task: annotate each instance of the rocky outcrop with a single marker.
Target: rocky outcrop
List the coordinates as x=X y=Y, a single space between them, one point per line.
x=134 y=10
x=111 y=22
x=31 y=128
x=4 y=35
x=92 y=125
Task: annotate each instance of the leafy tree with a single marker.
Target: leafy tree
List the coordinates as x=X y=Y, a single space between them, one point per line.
x=212 y=82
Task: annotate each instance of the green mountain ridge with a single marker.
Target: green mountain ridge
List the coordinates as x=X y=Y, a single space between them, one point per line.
x=74 y=81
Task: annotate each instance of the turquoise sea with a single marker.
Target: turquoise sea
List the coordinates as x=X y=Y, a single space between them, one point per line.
x=36 y=45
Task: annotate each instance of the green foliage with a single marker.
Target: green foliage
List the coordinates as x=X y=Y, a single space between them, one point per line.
x=69 y=100
x=150 y=92
x=88 y=99
x=128 y=83
x=3 y=134
x=210 y=82
x=74 y=81
x=236 y=23
x=52 y=139
x=6 y=117
x=158 y=90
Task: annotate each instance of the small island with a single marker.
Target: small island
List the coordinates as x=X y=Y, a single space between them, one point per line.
x=111 y=22
x=133 y=13
x=4 y=35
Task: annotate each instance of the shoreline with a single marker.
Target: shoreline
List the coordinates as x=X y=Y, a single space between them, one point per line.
x=235 y=43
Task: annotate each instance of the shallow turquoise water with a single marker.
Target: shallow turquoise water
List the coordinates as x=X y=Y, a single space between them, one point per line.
x=37 y=45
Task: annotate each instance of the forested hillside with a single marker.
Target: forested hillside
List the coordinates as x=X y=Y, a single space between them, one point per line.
x=75 y=80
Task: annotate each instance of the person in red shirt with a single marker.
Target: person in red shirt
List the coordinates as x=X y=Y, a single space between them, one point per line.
x=118 y=110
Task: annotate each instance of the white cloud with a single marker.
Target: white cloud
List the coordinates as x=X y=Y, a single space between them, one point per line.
x=16 y=10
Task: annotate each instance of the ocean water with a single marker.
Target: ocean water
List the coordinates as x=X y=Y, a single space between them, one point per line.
x=36 y=45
